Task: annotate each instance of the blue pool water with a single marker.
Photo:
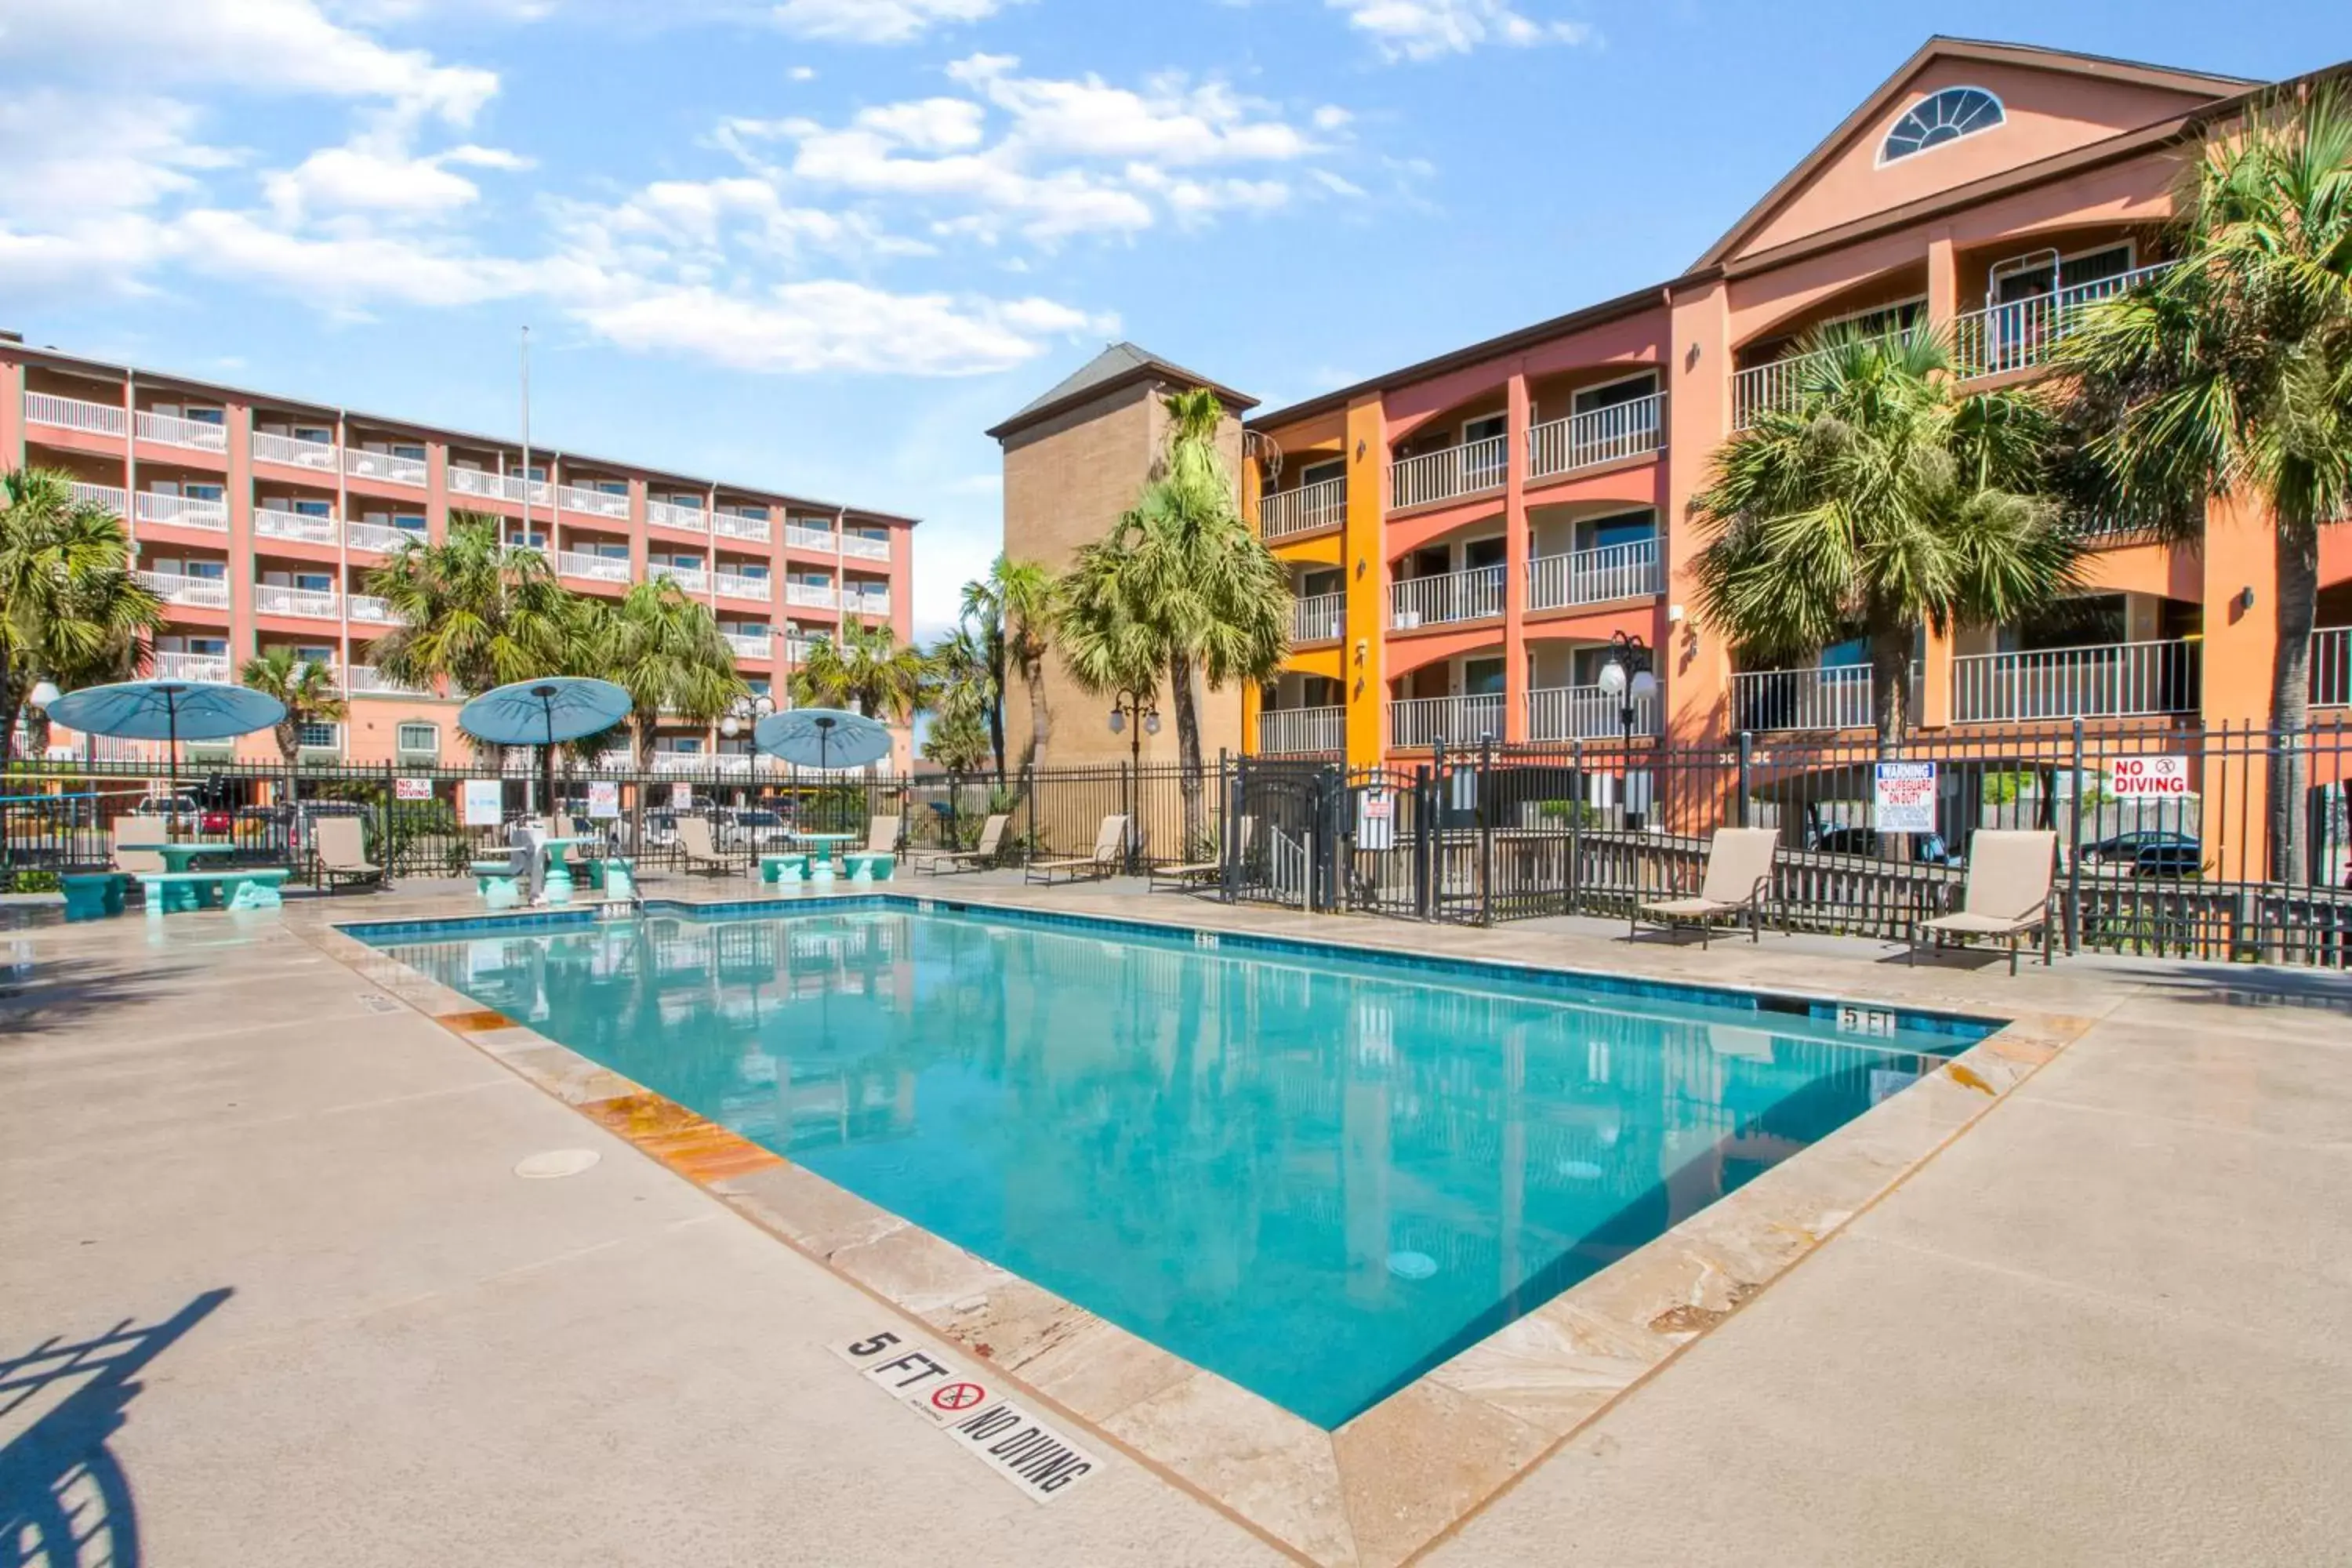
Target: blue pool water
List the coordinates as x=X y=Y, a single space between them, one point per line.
x=1317 y=1175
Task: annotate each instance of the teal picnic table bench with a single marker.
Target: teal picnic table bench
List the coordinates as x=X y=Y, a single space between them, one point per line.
x=93 y=895
x=230 y=886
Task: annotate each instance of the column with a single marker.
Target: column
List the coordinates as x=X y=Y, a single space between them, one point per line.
x=1695 y=667
x=1516 y=553
x=637 y=541
x=2240 y=641
x=436 y=489
x=1363 y=556
x=12 y=412
x=238 y=489
x=1943 y=307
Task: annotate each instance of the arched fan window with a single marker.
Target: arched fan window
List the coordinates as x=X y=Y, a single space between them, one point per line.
x=1941 y=117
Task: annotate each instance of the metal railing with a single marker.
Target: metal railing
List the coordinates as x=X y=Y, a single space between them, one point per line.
x=798 y=536
x=1448 y=596
x=2331 y=667
x=1323 y=504
x=593 y=503
x=1298 y=732
x=74 y=413
x=735 y=525
x=293 y=451
x=1444 y=720
x=172 y=430
x=499 y=487
x=595 y=568
x=859 y=548
x=1585 y=713
x=107 y=497
x=364 y=465
x=1464 y=470
x=180 y=588
x=692 y=579
x=2110 y=680
x=1318 y=617
x=383 y=539
x=749 y=645
x=1776 y=384
x=866 y=604
x=1593 y=576
x=169 y=665
x=1835 y=697
x=1601 y=435
x=366 y=680
x=183 y=511
x=816 y=595
x=737 y=585
x=310 y=528
x=2019 y=335
x=671 y=514
x=372 y=609
x=315 y=604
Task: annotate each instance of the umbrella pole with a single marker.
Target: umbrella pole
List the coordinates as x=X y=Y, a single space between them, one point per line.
x=172 y=751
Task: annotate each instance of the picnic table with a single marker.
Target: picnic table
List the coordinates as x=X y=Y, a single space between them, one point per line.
x=182 y=857
x=559 y=887
x=230 y=886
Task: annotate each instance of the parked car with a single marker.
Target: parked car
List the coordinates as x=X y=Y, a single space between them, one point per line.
x=2147 y=853
x=182 y=810
x=752 y=830
x=1926 y=849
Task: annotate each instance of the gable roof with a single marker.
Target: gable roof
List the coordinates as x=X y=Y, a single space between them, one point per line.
x=2203 y=84
x=1117 y=365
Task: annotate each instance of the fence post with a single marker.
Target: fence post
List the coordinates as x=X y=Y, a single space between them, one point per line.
x=2074 y=852
x=1228 y=786
x=1029 y=795
x=391 y=806
x=1486 y=809
x=1576 y=826
x=1422 y=900
x=1747 y=771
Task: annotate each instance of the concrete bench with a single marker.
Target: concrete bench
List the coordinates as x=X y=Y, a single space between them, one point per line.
x=496 y=882
x=93 y=895
x=868 y=867
x=789 y=869
x=231 y=887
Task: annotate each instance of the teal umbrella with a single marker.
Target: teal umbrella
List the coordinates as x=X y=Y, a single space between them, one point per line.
x=168 y=710
x=823 y=738
x=544 y=713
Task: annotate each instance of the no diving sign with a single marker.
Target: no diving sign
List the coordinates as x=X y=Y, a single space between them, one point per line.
x=2147 y=778
x=1025 y=1452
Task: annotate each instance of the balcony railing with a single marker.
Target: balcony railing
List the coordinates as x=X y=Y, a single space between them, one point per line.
x=1445 y=721
x=1585 y=713
x=107 y=497
x=2019 y=335
x=1602 y=435
x=816 y=595
x=691 y=579
x=1777 y=384
x=873 y=603
x=183 y=511
x=363 y=465
x=180 y=588
x=74 y=413
x=796 y=650
x=371 y=608
x=748 y=645
x=857 y=547
x=1593 y=576
x=381 y=538
x=1323 y=504
x=1319 y=617
x=1836 y=696
x=499 y=487
x=594 y=568
x=593 y=502
x=2107 y=681
x=2331 y=667
x=1463 y=471
x=293 y=452
x=736 y=585
x=365 y=680
x=309 y=528
x=170 y=430
x=734 y=525
x=798 y=537
x=1449 y=596
x=1295 y=731
x=314 y=603
x=171 y=666
x=669 y=514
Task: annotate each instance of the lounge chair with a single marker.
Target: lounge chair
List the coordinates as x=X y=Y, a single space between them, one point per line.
x=882 y=834
x=1201 y=870
x=343 y=852
x=1110 y=851
x=1739 y=879
x=695 y=850
x=2007 y=892
x=991 y=839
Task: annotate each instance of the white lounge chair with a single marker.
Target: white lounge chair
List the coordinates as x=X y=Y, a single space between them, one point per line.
x=697 y=852
x=991 y=839
x=1739 y=879
x=343 y=852
x=1201 y=870
x=1110 y=851
x=2007 y=895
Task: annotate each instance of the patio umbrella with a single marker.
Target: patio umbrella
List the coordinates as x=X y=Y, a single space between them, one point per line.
x=544 y=713
x=822 y=738
x=168 y=710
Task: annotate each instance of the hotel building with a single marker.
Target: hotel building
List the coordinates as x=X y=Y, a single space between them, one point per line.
x=256 y=519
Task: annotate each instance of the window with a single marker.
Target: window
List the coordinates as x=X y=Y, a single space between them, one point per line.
x=1484 y=429
x=320 y=653
x=1941 y=117
x=419 y=738
x=312 y=508
x=756 y=570
x=412 y=521
x=408 y=450
x=195 y=491
x=754 y=514
x=319 y=737
x=1630 y=390
x=1482 y=676
x=322 y=434
x=1625 y=528
x=1317 y=473
x=314 y=582
x=212 y=569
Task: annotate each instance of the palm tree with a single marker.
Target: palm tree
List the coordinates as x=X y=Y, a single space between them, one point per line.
x=956 y=743
x=1013 y=609
x=1879 y=501
x=666 y=651
x=307 y=689
x=963 y=688
x=70 y=611
x=2230 y=375
x=867 y=668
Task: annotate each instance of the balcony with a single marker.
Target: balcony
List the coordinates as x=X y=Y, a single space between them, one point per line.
x=591 y=567
x=74 y=413
x=873 y=602
x=311 y=604
x=735 y=525
x=748 y=645
x=170 y=430
x=1602 y=435
x=1445 y=721
x=170 y=665
x=1625 y=571
x=2112 y=680
x=1301 y=732
x=2019 y=334
x=380 y=538
x=857 y=547
x=813 y=596
x=669 y=514
x=2331 y=667
x=736 y=585
x=178 y=588
x=366 y=680
x=1777 y=383
x=499 y=487
x=1585 y=713
x=306 y=527
x=798 y=537
x=293 y=452
x=1464 y=470
x=183 y=511
x=690 y=579
x=1320 y=617
x=1449 y=596
x=1835 y=697
x=593 y=502
x=375 y=610
x=1323 y=504
x=106 y=498
x=362 y=465
x=796 y=650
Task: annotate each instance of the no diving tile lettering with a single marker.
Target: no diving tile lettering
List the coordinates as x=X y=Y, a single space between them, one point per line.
x=1027 y=1454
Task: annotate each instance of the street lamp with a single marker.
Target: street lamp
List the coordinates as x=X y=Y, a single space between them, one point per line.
x=1628 y=678
x=1134 y=715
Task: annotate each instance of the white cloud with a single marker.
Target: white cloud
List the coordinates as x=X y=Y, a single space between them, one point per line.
x=837 y=325
x=355 y=179
x=877 y=21
x=1427 y=29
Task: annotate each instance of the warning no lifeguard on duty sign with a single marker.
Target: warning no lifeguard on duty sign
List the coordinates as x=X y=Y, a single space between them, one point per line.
x=1022 y=1450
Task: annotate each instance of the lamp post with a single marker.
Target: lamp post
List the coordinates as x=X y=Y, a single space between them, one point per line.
x=744 y=714
x=1134 y=715
x=1629 y=678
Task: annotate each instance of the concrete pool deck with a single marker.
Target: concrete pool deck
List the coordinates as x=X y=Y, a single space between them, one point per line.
x=2103 y=1324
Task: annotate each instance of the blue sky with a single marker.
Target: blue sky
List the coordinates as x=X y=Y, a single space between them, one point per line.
x=822 y=244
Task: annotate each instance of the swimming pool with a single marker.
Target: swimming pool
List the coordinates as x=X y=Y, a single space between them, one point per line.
x=1315 y=1173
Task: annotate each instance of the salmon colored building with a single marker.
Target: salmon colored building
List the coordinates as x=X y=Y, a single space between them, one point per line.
x=257 y=518
x=1468 y=534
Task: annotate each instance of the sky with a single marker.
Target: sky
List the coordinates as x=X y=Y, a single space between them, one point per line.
x=822 y=245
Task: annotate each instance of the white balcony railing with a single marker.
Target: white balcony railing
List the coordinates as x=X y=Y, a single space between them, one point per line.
x=1833 y=698
x=1463 y=471
x=171 y=666
x=312 y=604
x=1625 y=571
x=1445 y=721
x=2107 y=681
x=371 y=608
x=170 y=430
x=1449 y=596
x=735 y=525
x=690 y=579
x=380 y=538
x=1293 y=731
x=309 y=528
x=1601 y=435
x=736 y=585
x=180 y=588
x=1323 y=504
x=591 y=502
x=857 y=547
x=1318 y=617
x=1776 y=384
x=594 y=567
x=183 y=511
x=816 y=595
x=107 y=497
x=748 y=645
x=2331 y=667
x=1585 y=713
x=499 y=487
x=74 y=413
x=364 y=465
x=2019 y=334
x=799 y=536
x=365 y=679
x=796 y=650
x=873 y=604
x=293 y=452
x=670 y=514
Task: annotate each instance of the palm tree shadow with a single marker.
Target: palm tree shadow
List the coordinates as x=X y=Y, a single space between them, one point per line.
x=58 y=993
x=63 y=1496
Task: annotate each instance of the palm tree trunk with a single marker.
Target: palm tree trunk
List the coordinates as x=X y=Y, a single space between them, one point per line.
x=2298 y=607
x=996 y=729
x=1890 y=702
x=11 y=703
x=1186 y=701
x=1033 y=675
